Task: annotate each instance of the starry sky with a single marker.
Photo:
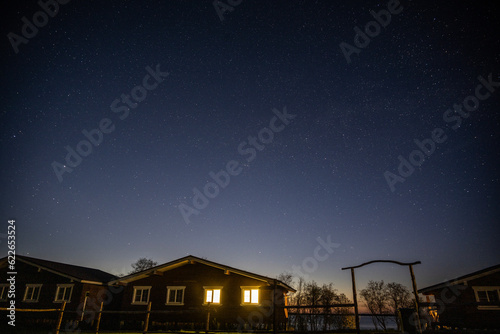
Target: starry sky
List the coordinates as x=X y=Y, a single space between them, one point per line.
x=303 y=119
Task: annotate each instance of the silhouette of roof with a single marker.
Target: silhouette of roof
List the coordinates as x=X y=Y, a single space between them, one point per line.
x=193 y=259
x=461 y=279
x=77 y=273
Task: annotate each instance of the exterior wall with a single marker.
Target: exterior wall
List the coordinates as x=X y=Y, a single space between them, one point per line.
x=194 y=277
x=459 y=309
x=230 y=314
x=27 y=274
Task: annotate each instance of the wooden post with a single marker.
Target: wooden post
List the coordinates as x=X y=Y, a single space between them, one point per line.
x=84 y=306
x=59 y=321
x=146 y=323
x=274 y=308
x=207 y=325
x=355 y=300
x=98 y=319
x=415 y=293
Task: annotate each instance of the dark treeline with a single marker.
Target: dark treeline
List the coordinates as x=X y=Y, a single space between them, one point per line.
x=380 y=299
x=317 y=318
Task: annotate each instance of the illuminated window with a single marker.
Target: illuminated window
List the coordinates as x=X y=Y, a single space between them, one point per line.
x=212 y=294
x=63 y=293
x=175 y=295
x=141 y=295
x=250 y=295
x=32 y=293
x=4 y=290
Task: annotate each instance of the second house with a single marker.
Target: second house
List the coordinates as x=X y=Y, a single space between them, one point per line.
x=188 y=291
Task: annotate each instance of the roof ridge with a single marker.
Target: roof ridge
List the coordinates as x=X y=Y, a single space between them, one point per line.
x=206 y=262
x=71 y=270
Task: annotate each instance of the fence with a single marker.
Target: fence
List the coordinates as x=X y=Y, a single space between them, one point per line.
x=311 y=313
x=293 y=311
x=73 y=326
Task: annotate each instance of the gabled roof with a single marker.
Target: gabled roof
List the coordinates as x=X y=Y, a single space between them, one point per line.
x=76 y=273
x=461 y=279
x=191 y=260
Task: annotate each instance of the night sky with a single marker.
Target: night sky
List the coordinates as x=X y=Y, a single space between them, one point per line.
x=303 y=125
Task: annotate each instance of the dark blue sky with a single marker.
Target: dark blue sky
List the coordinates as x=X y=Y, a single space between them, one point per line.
x=319 y=173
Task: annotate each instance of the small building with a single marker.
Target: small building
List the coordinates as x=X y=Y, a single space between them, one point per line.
x=471 y=301
x=42 y=284
x=186 y=292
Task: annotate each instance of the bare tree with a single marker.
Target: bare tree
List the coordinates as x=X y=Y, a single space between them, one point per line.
x=286 y=278
x=399 y=297
x=312 y=298
x=343 y=318
x=328 y=297
x=142 y=264
x=323 y=316
x=299 y=299
x=376 y=298
x=381 y=298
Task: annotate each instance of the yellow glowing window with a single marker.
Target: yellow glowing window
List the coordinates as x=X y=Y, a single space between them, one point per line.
x=250 y=296
x=212 y=296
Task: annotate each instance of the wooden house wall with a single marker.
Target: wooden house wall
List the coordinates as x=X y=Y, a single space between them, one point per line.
x=27 y=274
x=194 y=277
x=461 y=312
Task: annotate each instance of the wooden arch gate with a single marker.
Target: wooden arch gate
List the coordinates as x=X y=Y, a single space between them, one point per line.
x=354 y=293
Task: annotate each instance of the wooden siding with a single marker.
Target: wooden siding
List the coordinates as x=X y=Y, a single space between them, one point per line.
x=194 y=277
x=459 y=311
x=27 y=274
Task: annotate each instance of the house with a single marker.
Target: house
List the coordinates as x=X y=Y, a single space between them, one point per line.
x=469 y=301
x=42 y=284
x=184 y=293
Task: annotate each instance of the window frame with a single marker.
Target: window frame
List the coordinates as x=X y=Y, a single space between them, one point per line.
x=250 y=289
x=212 y=288
x=4 y=289
x=32 y=298
x=175 y=288
x=486 y=289
x=134 y=295
x=64 y=286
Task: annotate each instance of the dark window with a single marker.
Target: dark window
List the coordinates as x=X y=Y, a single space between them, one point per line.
x=493 y=295
x=483 y=297
x=175 y=295
x=3 y=291
x=141 y=295
x=32 y=292
x=64 y=293
x=487 y=296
